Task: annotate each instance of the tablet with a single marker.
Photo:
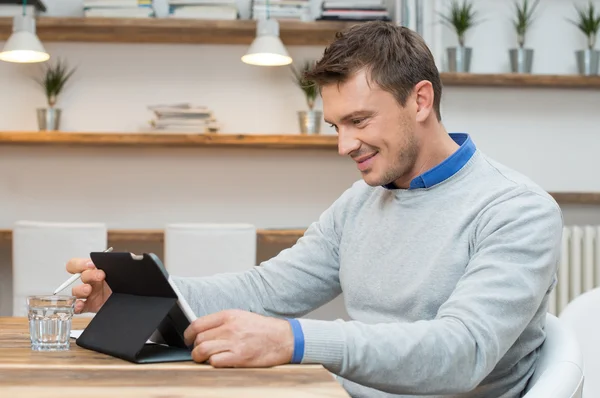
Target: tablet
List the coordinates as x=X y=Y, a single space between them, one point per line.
x=145 y=304
x=181 y=302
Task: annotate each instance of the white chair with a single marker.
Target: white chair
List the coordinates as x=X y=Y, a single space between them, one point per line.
x=582 y=314
x=200 y=249
x=40 y=254
x=559 y=368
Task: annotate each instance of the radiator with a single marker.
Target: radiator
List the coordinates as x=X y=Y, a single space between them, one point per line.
x=579 y=267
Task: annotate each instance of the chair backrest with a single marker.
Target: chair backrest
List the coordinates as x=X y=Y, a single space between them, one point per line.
x=200 y=249
x=559 y=368
x=582 y=315
x=41 y=251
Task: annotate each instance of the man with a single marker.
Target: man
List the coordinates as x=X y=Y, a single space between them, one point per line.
x=445 y=258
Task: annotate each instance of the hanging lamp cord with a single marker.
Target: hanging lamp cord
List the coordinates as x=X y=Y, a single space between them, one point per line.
x=268 y=14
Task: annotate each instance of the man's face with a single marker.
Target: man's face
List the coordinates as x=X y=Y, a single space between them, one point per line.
x=373 y=128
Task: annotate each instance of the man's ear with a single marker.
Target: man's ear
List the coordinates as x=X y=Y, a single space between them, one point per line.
x=424 y=97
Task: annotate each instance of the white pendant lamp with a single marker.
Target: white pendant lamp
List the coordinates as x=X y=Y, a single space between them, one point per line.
x=267 y=48
x=23 y=46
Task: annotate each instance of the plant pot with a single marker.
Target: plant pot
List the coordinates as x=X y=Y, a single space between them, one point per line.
x=521 y=60
x=48 y=118
x=587 y=62
x=459 y=59
x=310 y=121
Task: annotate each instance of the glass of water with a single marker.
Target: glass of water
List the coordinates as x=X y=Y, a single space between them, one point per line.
x=50 y=322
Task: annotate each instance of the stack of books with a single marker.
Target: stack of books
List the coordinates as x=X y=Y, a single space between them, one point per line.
x=354 y=10
x=204 y=9
x=281 y=9
x=183 y=117
x=118 y=8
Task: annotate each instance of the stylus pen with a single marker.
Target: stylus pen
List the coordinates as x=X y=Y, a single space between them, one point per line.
x=75 y=276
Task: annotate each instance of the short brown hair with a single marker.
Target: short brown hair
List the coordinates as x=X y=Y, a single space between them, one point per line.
x=396 y=57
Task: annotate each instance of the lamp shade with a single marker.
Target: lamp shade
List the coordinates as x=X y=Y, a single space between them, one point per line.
x=23 y=45
x=267 y=48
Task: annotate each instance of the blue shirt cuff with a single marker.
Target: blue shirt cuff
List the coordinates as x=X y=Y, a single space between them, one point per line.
x=298 y=340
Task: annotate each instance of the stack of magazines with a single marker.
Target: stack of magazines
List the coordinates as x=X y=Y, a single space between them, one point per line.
x=183 y=117
x=354 y=10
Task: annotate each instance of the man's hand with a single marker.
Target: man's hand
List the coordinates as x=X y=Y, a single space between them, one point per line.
x=236 y=338
x=94 y=291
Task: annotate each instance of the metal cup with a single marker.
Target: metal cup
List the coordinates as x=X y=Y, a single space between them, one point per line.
x=587 y=62
x=48 y=118
x=310 y=122
x=459 y=59
x=521 y=60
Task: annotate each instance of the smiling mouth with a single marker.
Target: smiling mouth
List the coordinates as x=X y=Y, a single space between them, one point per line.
x=365 y=162
x=363 y=159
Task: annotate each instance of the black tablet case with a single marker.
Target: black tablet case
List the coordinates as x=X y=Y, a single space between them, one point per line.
x=142 y=305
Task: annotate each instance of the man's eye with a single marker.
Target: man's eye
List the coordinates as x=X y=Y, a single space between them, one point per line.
x=333 y=126
x=357 y=121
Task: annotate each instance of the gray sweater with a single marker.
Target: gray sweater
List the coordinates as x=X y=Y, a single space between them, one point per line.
x=447 y=286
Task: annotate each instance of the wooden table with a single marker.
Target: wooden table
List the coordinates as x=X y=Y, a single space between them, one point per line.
x=81 y=373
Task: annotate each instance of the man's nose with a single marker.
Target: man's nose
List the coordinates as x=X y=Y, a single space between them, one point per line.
x=347 y=143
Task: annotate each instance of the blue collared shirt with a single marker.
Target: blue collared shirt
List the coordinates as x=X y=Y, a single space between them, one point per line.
x=450 y=166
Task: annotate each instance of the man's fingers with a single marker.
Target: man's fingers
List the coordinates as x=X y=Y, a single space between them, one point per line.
x=81 y=291
x=93 y=276
x=203 y=324
x=218 y=333
x=78 y=265
x=79 y=306
x=225 y=359
x=205 y=350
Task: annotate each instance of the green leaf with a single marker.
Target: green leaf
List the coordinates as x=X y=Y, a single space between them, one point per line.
x=588 y=22
x=524 y=15
x=460 y=18
x=54 y=78
x=308 y=87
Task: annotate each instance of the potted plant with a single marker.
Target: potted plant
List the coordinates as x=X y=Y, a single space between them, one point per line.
x=589 y=23
x=521 y=58
x=53 y=80
x=461 y=18
x=310 y=120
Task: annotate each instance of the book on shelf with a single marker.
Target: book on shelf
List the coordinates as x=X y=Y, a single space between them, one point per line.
x=183 y=117
x=165 y=127
x=192 y=3
x=118 y=8
x=183 y=113
x=281 y=9
x=354 y=10
x=204 y=9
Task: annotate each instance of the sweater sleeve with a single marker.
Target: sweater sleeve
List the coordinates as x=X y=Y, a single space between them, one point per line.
x=295 y=282
x=514 y=259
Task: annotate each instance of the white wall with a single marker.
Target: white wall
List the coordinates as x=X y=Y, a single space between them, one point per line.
x=550 y=135
x=552 y=37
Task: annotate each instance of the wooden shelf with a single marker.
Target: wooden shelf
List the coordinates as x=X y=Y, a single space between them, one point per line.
x=263 y=236
x=285 y=141
x=520 y=80
x=190 y=31
x=171 y=30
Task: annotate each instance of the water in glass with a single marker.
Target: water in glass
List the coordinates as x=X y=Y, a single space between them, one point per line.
x=50 y=322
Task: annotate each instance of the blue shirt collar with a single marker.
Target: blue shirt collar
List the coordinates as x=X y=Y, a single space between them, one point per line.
x=448 y=167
